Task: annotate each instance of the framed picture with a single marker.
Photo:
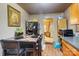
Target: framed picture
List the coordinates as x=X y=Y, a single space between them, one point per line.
x=13 y=17
x=62 y=24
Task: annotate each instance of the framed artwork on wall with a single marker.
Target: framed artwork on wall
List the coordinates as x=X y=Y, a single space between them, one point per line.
x=13 y=17
x=62 y=24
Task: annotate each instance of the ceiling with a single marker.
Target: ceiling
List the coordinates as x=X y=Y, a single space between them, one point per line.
x=44 y=8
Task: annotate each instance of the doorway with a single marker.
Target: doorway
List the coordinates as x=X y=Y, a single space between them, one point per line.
x=48 y=22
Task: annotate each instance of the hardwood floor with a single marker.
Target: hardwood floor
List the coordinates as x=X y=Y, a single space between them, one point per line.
x=50 y=51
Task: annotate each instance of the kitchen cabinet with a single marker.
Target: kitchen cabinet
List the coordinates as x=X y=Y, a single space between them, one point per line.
x=74 y=13
x=69 y=50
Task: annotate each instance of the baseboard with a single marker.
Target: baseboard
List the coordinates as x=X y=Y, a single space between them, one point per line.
x=48 y=43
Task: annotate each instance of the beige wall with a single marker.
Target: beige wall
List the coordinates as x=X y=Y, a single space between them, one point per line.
x=41 y=17
x=5 y=31
x=67 y=16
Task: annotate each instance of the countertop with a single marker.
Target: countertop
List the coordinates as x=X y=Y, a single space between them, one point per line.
x=74 y=41
x=26 y=39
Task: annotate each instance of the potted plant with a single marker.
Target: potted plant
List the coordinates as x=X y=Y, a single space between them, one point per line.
x=18 y=33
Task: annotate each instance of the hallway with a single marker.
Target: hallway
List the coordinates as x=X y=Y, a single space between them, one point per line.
x=50 y=51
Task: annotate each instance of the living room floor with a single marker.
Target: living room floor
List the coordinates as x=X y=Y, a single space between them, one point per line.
x=50 y=51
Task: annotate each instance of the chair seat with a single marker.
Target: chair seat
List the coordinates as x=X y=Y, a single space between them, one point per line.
x=14 y=51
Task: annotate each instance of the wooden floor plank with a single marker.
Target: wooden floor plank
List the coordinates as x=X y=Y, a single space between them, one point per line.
x=50 y=51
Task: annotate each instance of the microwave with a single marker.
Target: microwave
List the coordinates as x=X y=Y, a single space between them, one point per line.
x=67 y=32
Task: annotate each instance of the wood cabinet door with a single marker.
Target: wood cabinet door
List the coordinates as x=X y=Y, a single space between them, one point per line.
x=66 y=50
x=74 y=14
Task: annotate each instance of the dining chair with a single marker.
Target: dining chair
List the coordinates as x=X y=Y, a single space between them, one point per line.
x=39 y=45
x=11 y=48
x=29 y=48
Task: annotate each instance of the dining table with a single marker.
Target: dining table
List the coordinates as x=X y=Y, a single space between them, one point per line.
x=27 y=40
